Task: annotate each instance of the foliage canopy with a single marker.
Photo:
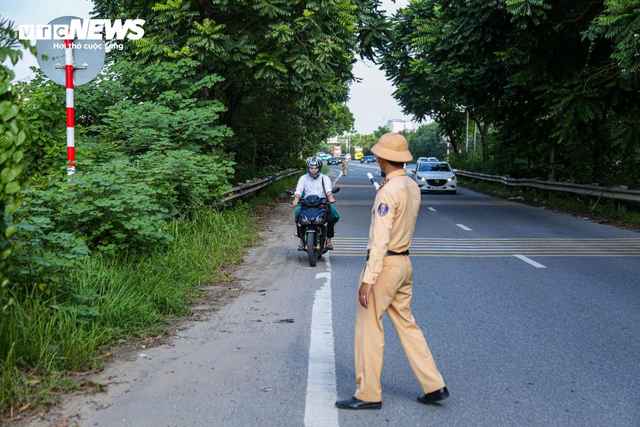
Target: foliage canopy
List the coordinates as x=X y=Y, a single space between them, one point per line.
x=552 y=86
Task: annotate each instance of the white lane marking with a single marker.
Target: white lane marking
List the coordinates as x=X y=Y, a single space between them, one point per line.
x=432 y=210
x=529 y=261
x=464 y=227
x=336 y=180
x=320 y=409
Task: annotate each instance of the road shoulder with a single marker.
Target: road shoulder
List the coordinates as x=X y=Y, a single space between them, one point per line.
x=223 y=354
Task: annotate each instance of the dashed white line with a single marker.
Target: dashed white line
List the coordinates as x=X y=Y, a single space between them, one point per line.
x=529 y=261
x=464 y=227
x=320 y=409
x=432 y=210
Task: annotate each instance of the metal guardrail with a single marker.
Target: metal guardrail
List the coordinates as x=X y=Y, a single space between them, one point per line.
x=256 y=184
x=617 y=193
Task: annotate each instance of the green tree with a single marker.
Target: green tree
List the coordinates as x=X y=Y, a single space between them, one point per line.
x=285 y=64
x=342 y=119
x=13 y=137
x=544 y=81
x=381 y=131
x=426 y=141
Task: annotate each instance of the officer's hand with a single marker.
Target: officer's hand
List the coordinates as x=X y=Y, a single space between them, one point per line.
x=363 y=294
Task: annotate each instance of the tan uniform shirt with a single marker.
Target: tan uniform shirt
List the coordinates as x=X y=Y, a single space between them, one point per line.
x=393 y=220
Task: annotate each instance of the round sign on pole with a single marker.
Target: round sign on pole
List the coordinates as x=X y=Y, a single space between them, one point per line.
x=88 y=56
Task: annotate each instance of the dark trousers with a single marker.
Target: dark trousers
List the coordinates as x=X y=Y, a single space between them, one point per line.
x=330 y=225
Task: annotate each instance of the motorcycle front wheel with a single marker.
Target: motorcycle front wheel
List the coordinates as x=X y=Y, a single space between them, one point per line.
x=311 y=248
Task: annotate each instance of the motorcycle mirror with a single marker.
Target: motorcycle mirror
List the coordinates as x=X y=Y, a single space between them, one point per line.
x=290 y=192
x=336 y=190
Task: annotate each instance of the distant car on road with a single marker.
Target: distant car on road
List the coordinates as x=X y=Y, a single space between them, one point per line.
x=341 y=158
x=427 y=159
x=435 y=177
x=348 y=156
x=332 y=161
x=367 y=159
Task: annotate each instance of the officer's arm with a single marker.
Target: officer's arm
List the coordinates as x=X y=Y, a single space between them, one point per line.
x=384 y=215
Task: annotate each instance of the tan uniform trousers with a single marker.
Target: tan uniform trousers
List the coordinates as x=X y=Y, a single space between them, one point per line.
x=391 y=293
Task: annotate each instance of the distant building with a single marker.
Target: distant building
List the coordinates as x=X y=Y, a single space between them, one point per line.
x=397 y=125
x=332 y=140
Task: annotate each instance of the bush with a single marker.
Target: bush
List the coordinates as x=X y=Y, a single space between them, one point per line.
x=42 y=104
x=112 y=295
x=43 y=255
x=14 y=135
x=107 y=205
x=186 y=181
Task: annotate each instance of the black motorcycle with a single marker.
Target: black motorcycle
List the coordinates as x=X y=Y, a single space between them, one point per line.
x=312 y=225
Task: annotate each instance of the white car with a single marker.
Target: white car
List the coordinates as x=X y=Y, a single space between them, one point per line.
x=436 y=177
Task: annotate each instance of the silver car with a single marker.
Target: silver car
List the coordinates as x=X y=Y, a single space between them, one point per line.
x=435 y=177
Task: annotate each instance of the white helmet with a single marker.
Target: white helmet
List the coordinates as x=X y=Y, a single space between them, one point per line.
x=314 y=162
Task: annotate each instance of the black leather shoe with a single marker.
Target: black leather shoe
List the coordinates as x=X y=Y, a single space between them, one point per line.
x=354 y=403
x=434 y=397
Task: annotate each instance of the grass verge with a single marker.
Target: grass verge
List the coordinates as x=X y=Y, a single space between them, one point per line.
x=43 y=337
x=605 y=211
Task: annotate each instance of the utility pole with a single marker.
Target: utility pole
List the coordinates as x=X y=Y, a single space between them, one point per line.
x=466 y=148
x=475 y=127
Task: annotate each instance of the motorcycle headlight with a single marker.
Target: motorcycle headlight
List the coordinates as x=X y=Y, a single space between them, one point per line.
x=319 y=219
x=304 y=218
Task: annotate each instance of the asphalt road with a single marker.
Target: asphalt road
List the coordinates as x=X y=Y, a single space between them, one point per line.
x=533 y=319
x=517 y=344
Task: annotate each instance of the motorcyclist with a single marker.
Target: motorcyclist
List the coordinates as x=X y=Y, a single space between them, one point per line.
x=315 y=183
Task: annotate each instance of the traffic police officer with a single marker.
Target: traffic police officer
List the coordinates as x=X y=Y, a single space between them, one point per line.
x=386 y=284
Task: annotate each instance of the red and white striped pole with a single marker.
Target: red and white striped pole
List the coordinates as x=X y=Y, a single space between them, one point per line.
x=71 y=145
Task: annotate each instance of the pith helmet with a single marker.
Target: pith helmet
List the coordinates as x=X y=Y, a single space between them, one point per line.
x=393 y=147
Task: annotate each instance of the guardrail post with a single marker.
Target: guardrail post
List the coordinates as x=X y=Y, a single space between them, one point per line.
x=622 y=207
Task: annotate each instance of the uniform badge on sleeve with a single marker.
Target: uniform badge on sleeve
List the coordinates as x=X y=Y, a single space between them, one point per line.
x=383 y=209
